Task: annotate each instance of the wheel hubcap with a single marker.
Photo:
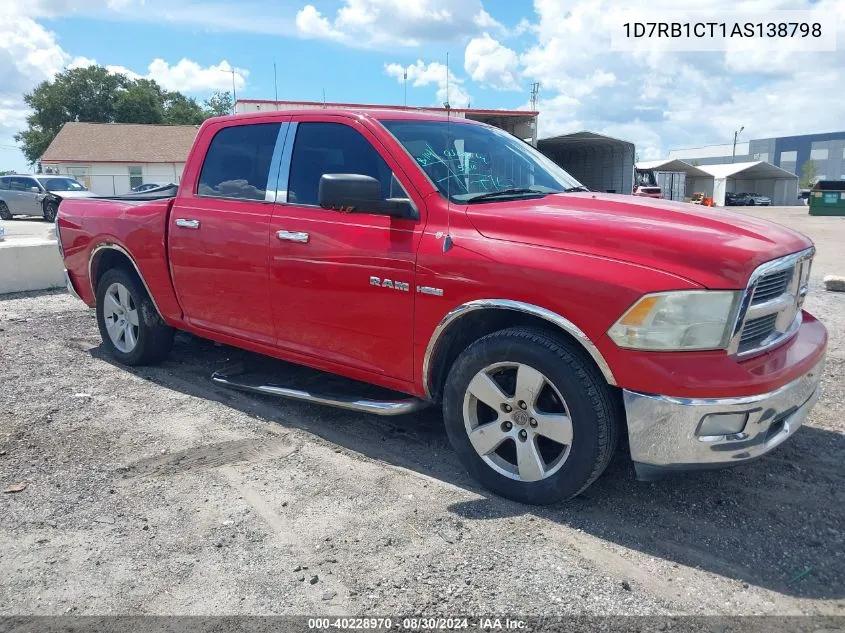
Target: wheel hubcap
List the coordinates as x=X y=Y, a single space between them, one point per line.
x=121 y=317
x=517 y=421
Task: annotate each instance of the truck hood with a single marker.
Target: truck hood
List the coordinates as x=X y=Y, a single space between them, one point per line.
x=74 y=194
x=709 y=246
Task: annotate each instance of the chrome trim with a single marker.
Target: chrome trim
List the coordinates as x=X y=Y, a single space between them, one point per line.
x=429 y=290
x=662 y=430
x=271 y=189
x=186 y=223
x=120 y=249
x=293 y=236
x=58 y=236
x=70 y=288
x=796 y=289
x=517 y=306
x=284 y=164
x=376 y=407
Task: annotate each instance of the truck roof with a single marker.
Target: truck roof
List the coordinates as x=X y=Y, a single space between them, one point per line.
x=371 y=113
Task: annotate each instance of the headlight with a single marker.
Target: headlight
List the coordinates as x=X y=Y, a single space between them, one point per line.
x=679 y=320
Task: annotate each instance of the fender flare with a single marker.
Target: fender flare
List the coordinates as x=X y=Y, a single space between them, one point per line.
x=518 y=306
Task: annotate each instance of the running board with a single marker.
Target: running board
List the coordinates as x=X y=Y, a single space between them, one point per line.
x=376 y=407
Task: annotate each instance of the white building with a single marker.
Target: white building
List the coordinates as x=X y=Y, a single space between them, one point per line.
x=112 y=158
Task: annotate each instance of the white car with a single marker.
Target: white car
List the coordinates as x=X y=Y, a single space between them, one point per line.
x=22 y=194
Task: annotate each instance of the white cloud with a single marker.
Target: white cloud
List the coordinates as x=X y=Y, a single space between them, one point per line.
x=664 y=100
x=421 y=74
x=184 y=76
x=395 y=23
x=490 y=63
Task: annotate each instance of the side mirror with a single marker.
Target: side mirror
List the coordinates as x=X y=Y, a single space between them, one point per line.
x=356 y=193
x=35 y=190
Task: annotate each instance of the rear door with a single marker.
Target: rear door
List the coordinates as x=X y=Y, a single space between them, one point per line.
x=343 y=284
x=219 y=228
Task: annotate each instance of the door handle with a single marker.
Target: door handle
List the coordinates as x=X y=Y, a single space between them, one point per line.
x=187 y=224
x=293 y=236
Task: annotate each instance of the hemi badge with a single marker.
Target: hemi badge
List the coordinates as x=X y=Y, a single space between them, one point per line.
x=428 y=290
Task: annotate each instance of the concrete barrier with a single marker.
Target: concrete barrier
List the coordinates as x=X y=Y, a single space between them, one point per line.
x=30 y=263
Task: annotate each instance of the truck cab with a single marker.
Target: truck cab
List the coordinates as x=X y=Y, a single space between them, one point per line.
x=454 y=265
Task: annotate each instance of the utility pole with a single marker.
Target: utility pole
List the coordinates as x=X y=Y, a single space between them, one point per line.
x=275 y=83
x=405 y=79
x=234 y=94
x=736 y=134
x=535 y=88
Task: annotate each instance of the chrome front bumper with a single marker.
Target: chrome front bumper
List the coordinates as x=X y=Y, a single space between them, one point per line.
x=664 y=431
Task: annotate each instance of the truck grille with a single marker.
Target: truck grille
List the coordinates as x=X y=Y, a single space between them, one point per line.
x=772 y=285
x=756 y=331
x=771 y=309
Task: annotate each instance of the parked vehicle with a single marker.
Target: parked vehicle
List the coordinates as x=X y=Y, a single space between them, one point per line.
x=22 y=194
x=453 y=264
x=737 y=199
x=648 y=192
x=147 y=186
x=755 y=199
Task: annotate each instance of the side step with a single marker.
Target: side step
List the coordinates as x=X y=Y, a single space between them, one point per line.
x=377 y=407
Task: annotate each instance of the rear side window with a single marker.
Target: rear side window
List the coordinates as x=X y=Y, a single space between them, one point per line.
x=4 y=184
x=237 y=164
x=333 y=148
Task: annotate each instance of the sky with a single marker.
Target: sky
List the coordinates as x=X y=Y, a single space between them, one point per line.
x=358 y=51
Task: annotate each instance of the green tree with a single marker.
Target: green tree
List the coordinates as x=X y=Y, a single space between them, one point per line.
x=219 y=103
x=139 y=102
x=95 y=95
x=81 y=94
x=809 y=174
x=182 y=110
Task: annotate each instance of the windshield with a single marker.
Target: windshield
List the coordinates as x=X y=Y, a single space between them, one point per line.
x=466 y=161
x=61 y=184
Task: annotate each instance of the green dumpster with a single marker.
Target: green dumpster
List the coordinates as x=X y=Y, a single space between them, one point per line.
x=828 y=198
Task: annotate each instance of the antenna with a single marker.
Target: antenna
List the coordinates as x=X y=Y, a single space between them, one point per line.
x=405 y=78
x=275 y=83
x=535 y=88
x=447 y=241
x=324 y=97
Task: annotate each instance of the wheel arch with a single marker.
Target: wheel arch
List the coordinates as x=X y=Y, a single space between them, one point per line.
x=107 y=256
x=475 y=319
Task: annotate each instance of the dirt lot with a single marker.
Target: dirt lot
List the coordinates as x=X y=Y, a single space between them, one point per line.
x=153 y=491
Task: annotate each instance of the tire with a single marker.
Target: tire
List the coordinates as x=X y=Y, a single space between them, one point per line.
x=49 y=210
x=5 y=214
x=750 y=203
x=568 y=385
x=143 y=339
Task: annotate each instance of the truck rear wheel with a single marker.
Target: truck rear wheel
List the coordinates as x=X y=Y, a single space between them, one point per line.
x=529 y=417
x=131 y=328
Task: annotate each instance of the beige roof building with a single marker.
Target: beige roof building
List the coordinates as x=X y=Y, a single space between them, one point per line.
x=112 y=158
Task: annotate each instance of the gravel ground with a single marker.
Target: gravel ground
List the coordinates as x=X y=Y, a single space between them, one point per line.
x=154 y=491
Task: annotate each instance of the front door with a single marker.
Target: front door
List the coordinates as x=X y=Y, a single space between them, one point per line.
x=23 y=200
x=218 y=233
x=342 y=284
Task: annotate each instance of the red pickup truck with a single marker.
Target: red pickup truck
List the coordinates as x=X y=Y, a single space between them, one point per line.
x=445 y=261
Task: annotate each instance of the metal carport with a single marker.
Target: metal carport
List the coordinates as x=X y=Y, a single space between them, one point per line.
x=599 y=162
x=754 y=177
x=678 y=179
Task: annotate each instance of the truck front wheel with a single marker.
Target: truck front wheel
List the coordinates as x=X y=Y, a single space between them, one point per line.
x=529 y=416
x=131 y=328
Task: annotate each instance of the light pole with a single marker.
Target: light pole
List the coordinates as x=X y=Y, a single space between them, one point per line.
x=234 y=94
x=736 y=134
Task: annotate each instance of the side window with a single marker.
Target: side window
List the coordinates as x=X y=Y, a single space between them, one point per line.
x=4 y=184
x=237 y=164
x=333 y=148
x=19 y=183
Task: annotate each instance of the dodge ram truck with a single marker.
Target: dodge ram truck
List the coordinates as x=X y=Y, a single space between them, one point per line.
x=443 y=261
